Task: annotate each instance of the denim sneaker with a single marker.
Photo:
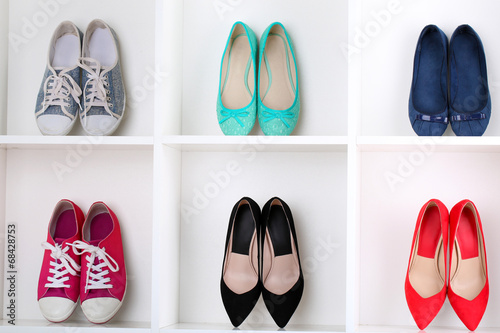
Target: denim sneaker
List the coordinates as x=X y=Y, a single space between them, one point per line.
x=102 y=83
x=59 y=95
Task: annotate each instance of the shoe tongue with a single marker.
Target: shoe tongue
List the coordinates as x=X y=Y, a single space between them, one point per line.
x=94 y=242
x=59 y=241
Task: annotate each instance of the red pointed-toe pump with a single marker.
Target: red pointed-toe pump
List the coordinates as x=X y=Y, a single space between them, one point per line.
x=468 y=287
x=425 y=285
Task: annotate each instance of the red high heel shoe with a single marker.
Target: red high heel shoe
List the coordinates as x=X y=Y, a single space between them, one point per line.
x=425 y=286
x=468 y=287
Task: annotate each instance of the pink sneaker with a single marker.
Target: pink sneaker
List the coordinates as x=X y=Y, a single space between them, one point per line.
x=59 y=282
x=103 y=278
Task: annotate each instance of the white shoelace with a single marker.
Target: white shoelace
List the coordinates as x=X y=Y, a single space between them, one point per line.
x=57 y=90
x=96 y=276
x=96 y=90
x=65 y=265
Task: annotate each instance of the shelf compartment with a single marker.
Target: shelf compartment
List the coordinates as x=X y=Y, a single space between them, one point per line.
x=393 y=188
x=37 y=179
x=312 y=184
x=321 y=63
x=385 y=38
x=33 y=24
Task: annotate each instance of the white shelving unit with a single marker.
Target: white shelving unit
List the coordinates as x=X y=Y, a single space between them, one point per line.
x=354 y=173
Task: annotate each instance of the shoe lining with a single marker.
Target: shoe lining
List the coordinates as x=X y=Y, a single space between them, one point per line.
x=427 y=269
x=66 y=52
x=102 y=47
x=467 y=269
x=100 y=227
x=471 y=93
x=277 y=81
x=281 y=268
x=240 y=271
x=238 y=78
x=65 y=226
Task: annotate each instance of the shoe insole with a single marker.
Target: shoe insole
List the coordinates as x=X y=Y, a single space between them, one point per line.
x=281 y=267
x=100 y=227
x=429 y=95
x=430 y=233
x=243 y=230
x=279 y=231
x=238 y=83
x=469 y=89
x=65 y=225
x=66 y=52
x=467 y=267
x=277 y=86
x=102 y=47
x=427 y=272
x=467 y=235
x=241 y=266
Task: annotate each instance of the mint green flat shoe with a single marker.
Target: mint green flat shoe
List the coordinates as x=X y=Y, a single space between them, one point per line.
x=278 y=100
x=236 y=100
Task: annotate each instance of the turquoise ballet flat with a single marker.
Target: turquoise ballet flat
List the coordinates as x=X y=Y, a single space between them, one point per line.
x=278 y=100
x=236 y=100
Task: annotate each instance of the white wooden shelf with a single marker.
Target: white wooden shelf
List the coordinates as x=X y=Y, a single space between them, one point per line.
x=429 y=144
x=85 y=142
x=258 y=143
x=186 y=327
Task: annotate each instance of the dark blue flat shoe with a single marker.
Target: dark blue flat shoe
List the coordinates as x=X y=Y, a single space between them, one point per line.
x=428 y=106
x=470 y=102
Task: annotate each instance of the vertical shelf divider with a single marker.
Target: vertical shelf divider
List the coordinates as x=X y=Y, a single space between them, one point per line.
x=353 y=170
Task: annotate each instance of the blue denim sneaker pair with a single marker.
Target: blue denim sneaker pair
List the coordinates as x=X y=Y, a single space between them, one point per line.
x=449 y=85
x=270 y=91
x=92 y=70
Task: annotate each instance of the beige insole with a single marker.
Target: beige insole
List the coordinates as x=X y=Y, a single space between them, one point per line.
x=235 y=94
x=467 y=275
x=280 y=95
x=282 y=272
x=241 y=271
x=426 y=275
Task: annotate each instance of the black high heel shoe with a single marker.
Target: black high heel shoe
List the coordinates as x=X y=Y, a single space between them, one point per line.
x=281 y=273
x=240 y=285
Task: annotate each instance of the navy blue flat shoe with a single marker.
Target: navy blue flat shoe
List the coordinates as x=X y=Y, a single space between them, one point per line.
x=428 y=105
x=470 y=102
